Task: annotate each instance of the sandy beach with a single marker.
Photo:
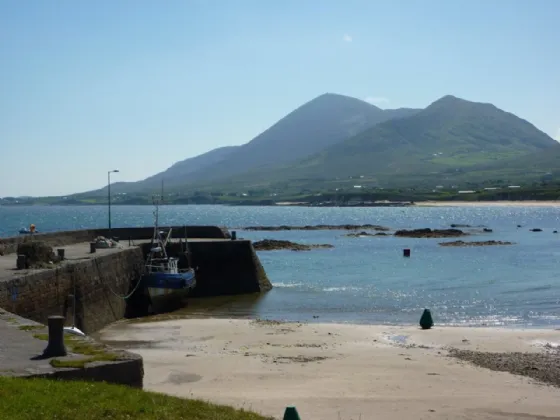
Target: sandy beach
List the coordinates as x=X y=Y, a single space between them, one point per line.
x=487 y=203
x=340 y=372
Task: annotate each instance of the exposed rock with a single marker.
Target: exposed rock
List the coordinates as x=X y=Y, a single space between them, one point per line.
x=536 y=230
x=274 y=244
x=542 y=367
x=459 y=225
x=487 y=230
x=363 y=233
x=318 y=227
x=475 y=243
x=38 y=254
x=429 y=233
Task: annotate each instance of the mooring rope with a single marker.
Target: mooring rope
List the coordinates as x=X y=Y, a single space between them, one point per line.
x=116 y=294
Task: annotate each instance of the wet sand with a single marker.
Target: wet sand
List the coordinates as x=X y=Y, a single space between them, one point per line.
x=487 y=203
x=341 y=372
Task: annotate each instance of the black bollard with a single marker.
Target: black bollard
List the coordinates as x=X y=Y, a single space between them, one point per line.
x=60 y=252
x=21 y=262
x=406 y=252
x=56 y=346
x=426 y=321
x=233 y=235
x=92 y=247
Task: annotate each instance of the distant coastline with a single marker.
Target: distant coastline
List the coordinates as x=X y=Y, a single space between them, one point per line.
x=501 y=203
x=448 y=203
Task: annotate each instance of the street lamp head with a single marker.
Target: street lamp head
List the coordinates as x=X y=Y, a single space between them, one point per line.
x=114 y=170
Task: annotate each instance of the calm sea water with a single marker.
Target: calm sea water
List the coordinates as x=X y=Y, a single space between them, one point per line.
x=367 y=280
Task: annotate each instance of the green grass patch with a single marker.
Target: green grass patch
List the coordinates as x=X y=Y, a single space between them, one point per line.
x=95 y=351
x=31 y=327
x=29 y=399
x=44 y=337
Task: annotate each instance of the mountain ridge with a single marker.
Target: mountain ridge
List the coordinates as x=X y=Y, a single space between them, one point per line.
x=335 y=136
x=317 y=124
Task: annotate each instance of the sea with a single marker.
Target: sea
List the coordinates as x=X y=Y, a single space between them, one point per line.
x=367 y=279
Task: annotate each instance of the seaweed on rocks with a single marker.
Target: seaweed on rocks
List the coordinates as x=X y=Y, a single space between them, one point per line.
x=475 y=243
x=429 y=233
x=274 y=244
x=318 y=227
x=543 y=367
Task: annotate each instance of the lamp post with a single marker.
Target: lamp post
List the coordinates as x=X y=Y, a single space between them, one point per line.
x=109 y=193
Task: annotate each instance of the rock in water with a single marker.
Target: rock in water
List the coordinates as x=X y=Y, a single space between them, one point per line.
x=475 y=243
x=429 y=233
x=275 y=244
x=426 y=321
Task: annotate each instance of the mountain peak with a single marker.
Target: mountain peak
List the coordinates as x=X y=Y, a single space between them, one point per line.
x=448 y=100
x=330 y=97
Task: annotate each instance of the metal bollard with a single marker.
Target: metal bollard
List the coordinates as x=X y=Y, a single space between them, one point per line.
x=92 y=247
x=21 y=261
x=233 y=235
x=60 y=252
x=55 y=347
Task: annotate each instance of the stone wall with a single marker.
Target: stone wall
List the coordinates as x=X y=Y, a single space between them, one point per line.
x=99 y=284
x=123 y=372
x=227 y=268
x=62 y=238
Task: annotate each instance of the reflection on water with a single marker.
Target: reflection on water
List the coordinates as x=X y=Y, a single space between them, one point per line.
x=366 y=280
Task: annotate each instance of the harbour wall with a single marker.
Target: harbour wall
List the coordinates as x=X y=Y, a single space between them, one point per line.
x=100 y=281
x=62 y=238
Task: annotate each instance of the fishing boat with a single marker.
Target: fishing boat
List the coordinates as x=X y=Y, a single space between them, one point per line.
x=166 y=283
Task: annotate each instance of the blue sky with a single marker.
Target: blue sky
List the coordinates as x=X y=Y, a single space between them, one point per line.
x=138 y=85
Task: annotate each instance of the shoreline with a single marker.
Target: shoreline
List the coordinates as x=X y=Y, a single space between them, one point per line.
x=504 y=203
x=205 y=313
x=494 y=203
x=335 y=371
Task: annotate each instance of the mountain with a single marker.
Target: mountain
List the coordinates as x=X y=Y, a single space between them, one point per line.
x=451 y=134
x=314 y=126
x=180 y=171
x=334 y=137
x=177 y=174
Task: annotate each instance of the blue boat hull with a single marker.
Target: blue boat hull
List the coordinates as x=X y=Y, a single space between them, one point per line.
x=169 y=281
x=168 y=292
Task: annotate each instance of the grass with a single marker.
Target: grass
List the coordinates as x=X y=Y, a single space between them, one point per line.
x=95 y=351
x=31 y=327
x=30 y=399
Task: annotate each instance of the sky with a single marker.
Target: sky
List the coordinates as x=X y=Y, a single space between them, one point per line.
x=136 y=85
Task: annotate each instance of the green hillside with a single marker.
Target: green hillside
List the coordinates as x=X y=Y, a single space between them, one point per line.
x=333 y=141
x=452 y=137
